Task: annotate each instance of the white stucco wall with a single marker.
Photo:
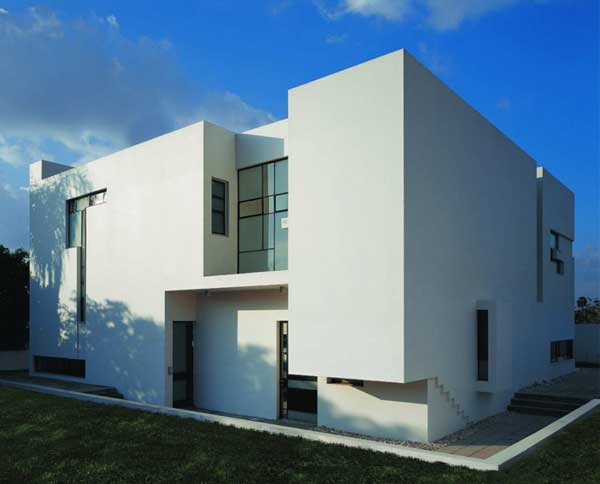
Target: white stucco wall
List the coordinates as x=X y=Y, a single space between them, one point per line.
x=220 y=251
x=555 y=312
x=587 y=343
x=470 y=235
x=346 y=234
x=235 y=352
x=389 y=410
x=261 y=144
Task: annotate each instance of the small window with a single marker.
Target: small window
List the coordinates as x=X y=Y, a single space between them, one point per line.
x=219 y=207
x=345 y=381
x=561 y=350
x=482 y=345
x=555 y=255
x=60 y=366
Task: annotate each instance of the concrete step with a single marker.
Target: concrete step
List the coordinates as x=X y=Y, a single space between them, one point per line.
x=542 y=396
x=107 y=392
x=551 y=404
x=537 y=410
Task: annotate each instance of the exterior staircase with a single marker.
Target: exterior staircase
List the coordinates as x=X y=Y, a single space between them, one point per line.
x=544 y=404
x=451 y=400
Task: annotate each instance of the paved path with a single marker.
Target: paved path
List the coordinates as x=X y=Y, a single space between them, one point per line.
x=24 y=377
x=583 y=383
x=490 y=436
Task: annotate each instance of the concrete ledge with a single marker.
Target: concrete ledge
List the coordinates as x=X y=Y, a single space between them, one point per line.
x=272 y=428
x=499 y=461
x=524 y=447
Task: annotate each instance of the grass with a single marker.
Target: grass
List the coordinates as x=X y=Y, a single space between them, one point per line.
x=46 y=439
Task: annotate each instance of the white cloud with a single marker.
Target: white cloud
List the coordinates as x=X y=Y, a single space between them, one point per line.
x=438 y=14
x=388 y=9
x=447 y=15
x=112 y=21
x=94 y=91
x=3 y=11
x=432 y=59
x=504 y=104
x=14 y=216
x=336 y=38
x=72 y=91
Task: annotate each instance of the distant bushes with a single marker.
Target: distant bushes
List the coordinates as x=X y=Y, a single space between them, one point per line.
x=14 y=299
x=588 y=311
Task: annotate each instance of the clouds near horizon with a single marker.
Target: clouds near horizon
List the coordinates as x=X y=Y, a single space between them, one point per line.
x=84 y=86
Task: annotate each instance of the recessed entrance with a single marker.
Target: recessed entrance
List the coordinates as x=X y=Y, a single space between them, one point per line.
x=297 y=393
x=183 y=363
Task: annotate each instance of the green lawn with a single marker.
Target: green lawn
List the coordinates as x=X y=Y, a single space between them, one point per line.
x=50 y=439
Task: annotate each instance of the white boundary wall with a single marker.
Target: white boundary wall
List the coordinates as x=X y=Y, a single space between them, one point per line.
x=587 y=343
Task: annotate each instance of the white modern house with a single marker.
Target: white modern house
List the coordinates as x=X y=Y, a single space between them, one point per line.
x=385 y=261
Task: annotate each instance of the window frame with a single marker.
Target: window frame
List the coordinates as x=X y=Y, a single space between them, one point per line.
x=225 y=212
x=264 y=214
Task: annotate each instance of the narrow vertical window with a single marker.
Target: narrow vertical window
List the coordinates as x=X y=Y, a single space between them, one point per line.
x=482 y=344
x=219 y=207
x=555 y=254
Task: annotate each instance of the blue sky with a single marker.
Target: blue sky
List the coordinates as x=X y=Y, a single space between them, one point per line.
x=82 y=79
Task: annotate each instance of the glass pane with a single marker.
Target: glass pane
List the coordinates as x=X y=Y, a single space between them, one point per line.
x=218 y=223
x=253 y=207
x=281 y=176
x=281 y=202
x=97 y=198
x=75 y=228
x=250 y=233
x=281 y=243
x=218 y=204
x=250 y=183
x=82 y=203
x=268 y=205
x=268 y=179
x=269 y=231
x=256 y=261
x=218 y=189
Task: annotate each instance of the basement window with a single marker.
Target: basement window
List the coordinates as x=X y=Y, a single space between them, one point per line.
x=345 y=381
x=59 y=366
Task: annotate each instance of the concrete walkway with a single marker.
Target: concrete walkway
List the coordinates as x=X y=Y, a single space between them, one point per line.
x=74 y=386
x=582 y=383
x=493 y=435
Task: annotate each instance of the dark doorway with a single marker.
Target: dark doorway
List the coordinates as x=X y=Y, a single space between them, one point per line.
x=297 y=393
x=183 y=363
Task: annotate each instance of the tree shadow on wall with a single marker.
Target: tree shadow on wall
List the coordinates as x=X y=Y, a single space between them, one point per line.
x=117 y=343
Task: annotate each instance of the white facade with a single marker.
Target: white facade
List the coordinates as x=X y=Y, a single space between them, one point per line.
x=409 y=216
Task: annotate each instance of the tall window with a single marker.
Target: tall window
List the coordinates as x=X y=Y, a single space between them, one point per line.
x=76 y=237
x=219 y=207
x=555 y=255
x=262 y=212
x=482 y=345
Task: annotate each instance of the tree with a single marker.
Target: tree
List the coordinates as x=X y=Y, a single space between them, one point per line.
x=588 y=311
x=14 y=299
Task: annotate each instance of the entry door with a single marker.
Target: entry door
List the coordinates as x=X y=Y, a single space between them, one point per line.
x=183 y=363
x=297 y=393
